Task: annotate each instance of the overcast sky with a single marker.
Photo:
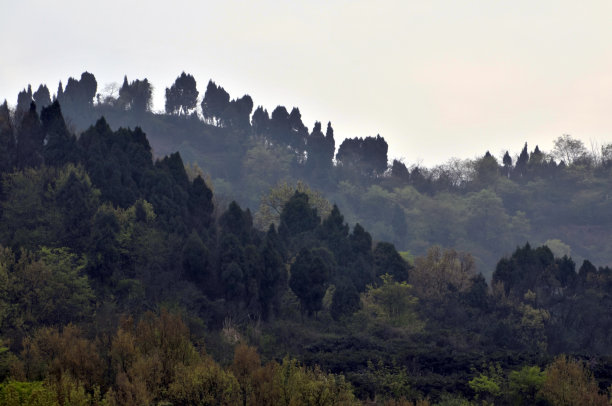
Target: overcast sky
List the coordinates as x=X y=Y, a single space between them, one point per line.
x=437 y=79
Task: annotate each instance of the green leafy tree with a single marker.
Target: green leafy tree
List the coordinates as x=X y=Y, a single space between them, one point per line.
x=391 y=303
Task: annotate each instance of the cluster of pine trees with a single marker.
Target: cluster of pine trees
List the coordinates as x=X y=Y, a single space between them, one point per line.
x=126 y=280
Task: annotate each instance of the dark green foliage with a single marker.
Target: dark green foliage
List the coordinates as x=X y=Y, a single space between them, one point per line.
x=388 y=261
x=77 y=202
x=146 y=235
x=273 y=274
x=196 y=261
x=526 y=269
x=115 y=161
x=478 y=294
x=60 y=146
x=345 y=301
x=334 y=231
x=7 y=139
x=297 y=216
x=232 y=277
x=200 y=204
x=104 y=247
x=237 y=222
x=30 y=137
x=309 y=278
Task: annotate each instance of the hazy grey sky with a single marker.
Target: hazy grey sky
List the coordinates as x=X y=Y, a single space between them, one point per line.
x=437 y=79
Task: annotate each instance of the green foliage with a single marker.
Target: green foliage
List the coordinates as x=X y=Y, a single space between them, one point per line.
x=15 y=393
x=309 y=278
x=391 y=303
x=525 y=383
x=45 y=288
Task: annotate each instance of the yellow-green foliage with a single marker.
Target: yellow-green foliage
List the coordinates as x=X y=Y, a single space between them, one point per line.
x=391 y=303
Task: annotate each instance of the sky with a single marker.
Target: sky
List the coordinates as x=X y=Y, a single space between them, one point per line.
x=437 y=79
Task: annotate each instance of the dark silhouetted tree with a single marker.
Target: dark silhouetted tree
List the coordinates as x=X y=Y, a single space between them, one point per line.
x=42 y=97
x=260 y=121
x=388 y=261
x=196 y=259
x=182 y=96
x=30 y=139
x=136 y=95
x=7 y=139
x=365 y=155
x=24 y=99
x=399 y=171
x=520 y=167
x=345 y=301
x=297 y=215
x=216 y=101
x=60 y=146
x=309 y=279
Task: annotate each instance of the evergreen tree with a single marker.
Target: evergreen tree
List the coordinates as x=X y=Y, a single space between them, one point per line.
x=334 y=232
x=30 y=137
x=196 y=260
x=388 y=261
x=309 y=278
x=200 y=204
x=274 y=276
x=297 y=216
x=42 y=97
x=136 y=96
x=237 y=222
x=520 y=168
x=104 y=247
x=24 y=99
x=345 y=301
x=182 y=96
x=261 y=121
x=78 y=202
x=399 y=171
x=216 y=101
x=60 y=146
x=7 y=139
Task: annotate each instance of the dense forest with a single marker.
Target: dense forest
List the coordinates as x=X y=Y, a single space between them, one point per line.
x=135 y=274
